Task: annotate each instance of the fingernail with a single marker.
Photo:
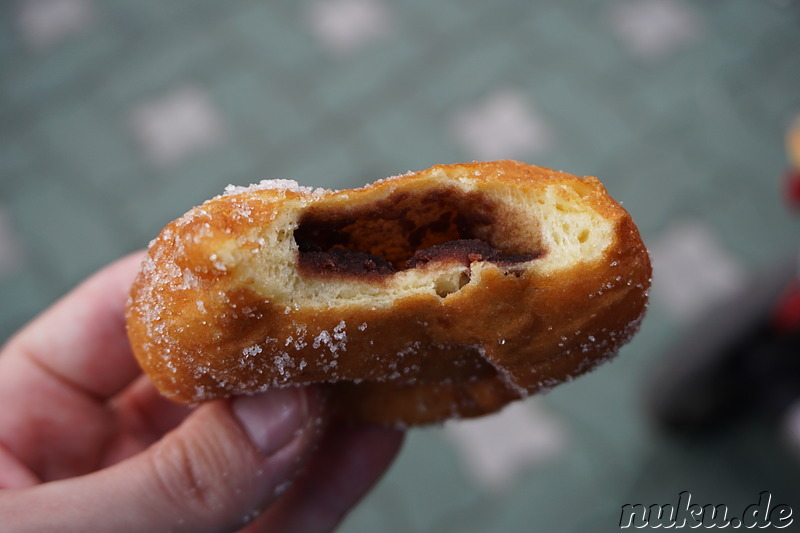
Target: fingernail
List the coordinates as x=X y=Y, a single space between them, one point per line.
x=273 y=418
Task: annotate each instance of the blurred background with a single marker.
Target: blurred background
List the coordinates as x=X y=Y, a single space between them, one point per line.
x=118 y=116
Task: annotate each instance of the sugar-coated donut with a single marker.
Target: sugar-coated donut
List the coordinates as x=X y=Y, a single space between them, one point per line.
x=442 y=293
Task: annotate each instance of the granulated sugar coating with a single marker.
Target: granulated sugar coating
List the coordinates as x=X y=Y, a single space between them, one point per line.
x=426 y=296
x=275 y=185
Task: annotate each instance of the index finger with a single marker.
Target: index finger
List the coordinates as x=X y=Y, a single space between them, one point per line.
x=81 y=340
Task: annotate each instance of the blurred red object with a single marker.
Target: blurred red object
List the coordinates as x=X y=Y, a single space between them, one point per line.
x=791 y=188
x=786 y=315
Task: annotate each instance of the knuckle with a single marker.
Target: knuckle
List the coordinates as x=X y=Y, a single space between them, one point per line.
x=190 y=480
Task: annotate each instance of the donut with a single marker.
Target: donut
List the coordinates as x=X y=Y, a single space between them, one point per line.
x=439 y=294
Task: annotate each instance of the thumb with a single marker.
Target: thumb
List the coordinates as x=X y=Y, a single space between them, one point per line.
x=227 y=462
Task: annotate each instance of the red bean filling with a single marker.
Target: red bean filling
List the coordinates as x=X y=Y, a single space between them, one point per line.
x=402 y=231
x=343 y=262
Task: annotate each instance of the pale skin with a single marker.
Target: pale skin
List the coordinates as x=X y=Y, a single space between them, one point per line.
x=88 y=444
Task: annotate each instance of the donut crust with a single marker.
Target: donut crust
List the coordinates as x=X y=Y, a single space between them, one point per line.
x=389 y=294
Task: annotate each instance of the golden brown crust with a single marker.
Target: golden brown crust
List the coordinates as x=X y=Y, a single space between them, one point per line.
x=202 y=325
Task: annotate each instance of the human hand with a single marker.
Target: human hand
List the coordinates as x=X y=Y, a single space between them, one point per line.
x=88 y=444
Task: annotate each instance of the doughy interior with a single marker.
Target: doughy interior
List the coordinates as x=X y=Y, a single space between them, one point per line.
x=429 y=240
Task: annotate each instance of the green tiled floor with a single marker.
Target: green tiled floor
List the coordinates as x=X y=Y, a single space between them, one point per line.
x=694 y=134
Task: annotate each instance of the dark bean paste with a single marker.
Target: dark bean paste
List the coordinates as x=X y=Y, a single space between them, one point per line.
x=340 y=261
x=400 y=232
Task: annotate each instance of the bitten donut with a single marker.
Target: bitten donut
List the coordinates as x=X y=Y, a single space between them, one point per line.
x=442 y=293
